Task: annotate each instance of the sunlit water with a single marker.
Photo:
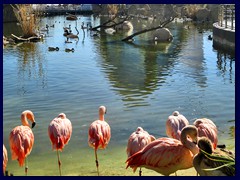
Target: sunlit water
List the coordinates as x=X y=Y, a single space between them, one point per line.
x=140 y=83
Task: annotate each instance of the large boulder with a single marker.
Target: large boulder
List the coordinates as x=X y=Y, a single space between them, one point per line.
x=162 y=35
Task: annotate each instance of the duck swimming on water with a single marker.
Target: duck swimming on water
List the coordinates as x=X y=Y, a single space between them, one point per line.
x=69 y=50
x=53 y=48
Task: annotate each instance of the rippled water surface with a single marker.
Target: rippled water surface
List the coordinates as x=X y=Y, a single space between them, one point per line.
x=140 y=83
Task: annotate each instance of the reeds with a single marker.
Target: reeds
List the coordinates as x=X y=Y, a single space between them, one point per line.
x=112 y=9
x=28 y=20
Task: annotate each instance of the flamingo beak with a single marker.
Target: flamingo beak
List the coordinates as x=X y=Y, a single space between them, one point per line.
x=33 y=124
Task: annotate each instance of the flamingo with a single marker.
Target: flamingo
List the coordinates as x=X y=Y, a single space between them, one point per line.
x=99 y=133
x=210 y=162
x=174 y=124
x=59 y=132
x=21 y=139
x=206 y=127
x=137 y=141
x=5 y=158
x=167 y=155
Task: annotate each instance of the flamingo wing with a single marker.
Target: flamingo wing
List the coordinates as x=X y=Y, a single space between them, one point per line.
x=99 y=134
x=5 y=158
x=60 y=131
x=174 y=124
x=138 y=140
x=208 y=129
x=164 y=155
x=21 y=142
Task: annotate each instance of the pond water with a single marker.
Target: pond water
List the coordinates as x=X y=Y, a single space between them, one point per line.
x=140 y=83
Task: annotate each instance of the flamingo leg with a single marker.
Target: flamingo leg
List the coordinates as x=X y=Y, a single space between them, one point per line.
x=96 y=161
x=140 y=172
x=59 y=163
x=26 y=166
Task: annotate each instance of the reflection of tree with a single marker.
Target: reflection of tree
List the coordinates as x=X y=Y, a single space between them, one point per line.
x=133 y=70
x=30 y=65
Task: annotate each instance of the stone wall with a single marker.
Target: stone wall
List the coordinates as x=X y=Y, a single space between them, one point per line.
x=223 y=38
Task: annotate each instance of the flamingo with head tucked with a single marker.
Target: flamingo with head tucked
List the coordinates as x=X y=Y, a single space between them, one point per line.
x=21 y=139
x=174 y=125
x=99 y=133
x=206 y=127
x=167 y=155
x=59 y=132
x=138 y=140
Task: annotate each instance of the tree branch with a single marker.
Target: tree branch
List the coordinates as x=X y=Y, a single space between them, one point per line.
x=149 y=29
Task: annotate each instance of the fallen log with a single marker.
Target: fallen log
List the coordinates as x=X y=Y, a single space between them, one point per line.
x=104 y=25
x=21 y=39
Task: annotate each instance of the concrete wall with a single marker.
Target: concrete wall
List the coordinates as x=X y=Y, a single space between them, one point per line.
x=223 y=38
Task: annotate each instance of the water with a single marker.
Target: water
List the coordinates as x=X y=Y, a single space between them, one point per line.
x=141 y=84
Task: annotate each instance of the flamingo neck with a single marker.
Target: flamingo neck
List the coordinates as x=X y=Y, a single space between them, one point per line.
x=25 y=116
x=189 y=138
x=101 y=117
x=190 y=145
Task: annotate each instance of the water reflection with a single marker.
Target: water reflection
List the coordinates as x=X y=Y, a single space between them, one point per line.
x=31 y=66
x=224 y=64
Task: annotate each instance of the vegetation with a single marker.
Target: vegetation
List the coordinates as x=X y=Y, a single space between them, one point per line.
x=28 y=19
x=112 y=9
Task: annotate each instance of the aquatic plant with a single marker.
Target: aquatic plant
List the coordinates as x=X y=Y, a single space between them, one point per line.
x=27 y=17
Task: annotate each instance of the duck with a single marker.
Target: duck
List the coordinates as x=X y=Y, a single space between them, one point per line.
x=210 y=37
x=66 y=28
x=69 y=50
x=73 y=36
x=45 y=29
x=210 y=162
x=53 y=48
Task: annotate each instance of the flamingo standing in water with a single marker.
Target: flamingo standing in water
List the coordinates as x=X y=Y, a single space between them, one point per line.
x=59 y=132
x=99 y=133
x=210 y=162
x=206 y=127
x=5 y=159
x=167 y=155
x=138 y=140
x=21 y=139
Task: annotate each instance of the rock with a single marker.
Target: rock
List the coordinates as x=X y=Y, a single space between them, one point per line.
x=162 y=35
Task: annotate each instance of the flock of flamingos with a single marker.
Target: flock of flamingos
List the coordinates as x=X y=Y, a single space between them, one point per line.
x=186 y=145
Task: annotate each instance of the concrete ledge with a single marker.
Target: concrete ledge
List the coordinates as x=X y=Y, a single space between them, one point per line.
x=223 y=38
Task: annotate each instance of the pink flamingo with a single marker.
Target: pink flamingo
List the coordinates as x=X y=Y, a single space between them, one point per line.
x=5 y=159
x=206 y=128
x=21 y=139
x=177 y=121
x=138 y=140
x=167 y=155
x=59 y=132
x=174 y=125
x=99 y=133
